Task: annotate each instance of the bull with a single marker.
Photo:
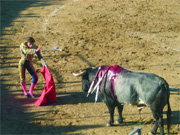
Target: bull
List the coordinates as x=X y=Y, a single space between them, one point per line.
x=127 y=87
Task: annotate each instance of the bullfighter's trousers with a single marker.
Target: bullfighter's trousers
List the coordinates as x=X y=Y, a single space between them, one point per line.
x=23 y=65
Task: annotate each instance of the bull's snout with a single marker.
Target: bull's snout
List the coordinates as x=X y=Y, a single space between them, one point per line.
x=85 y=85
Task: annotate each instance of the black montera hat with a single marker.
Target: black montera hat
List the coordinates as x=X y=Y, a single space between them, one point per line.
x=30 y=39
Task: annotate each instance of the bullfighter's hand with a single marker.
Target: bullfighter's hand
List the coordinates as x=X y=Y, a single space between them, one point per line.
x=38 y=50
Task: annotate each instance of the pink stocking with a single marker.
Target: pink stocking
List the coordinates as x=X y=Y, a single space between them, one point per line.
x=31 y=89
x=24 y=88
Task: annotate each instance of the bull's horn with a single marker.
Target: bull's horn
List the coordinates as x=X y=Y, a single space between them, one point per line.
x=78 y=74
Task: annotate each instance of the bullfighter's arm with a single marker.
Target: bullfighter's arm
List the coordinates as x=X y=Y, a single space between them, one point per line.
x=26 y=50
x=41 y=58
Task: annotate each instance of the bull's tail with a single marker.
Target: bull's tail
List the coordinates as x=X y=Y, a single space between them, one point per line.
x=169 y=112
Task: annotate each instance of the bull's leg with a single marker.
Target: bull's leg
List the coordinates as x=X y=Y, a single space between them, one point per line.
x=120 y=109
x=154 y=130
x=158 y=122
x=111 y=108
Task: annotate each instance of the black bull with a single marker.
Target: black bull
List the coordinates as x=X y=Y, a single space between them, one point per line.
x=133 y=88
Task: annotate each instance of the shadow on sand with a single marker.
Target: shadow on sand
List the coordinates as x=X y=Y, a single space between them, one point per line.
x=13 y=118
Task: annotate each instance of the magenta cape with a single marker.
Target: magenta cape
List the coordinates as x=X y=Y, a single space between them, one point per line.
x=49 y=93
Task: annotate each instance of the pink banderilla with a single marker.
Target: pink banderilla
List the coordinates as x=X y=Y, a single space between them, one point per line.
x=91 y=89
x=114 y=71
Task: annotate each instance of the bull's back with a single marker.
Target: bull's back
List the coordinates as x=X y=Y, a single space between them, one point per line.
x=135 y=87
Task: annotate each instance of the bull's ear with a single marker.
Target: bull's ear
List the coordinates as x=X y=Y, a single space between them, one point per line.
x=79 y=74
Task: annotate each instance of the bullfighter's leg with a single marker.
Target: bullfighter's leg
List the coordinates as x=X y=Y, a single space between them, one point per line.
x=111 y=108
x=120 y=109
x=33 y=73
x=22 y=77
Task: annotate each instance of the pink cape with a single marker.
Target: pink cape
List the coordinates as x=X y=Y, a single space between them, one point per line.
x=49 y=93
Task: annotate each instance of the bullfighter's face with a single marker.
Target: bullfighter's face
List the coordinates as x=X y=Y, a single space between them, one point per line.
x=30 y=44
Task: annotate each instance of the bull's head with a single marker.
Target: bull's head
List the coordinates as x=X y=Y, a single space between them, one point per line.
x=87 y=77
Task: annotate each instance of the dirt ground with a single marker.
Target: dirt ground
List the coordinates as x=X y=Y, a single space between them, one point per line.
x=142 y=36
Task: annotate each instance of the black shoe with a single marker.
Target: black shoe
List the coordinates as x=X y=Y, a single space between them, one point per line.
x=26 y=96
x=32 y=96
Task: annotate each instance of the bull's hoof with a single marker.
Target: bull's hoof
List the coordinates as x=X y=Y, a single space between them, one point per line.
x=119 y=121
x=153 y=132
x=109 y=124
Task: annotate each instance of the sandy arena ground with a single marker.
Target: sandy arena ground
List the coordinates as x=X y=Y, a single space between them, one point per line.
x=140 y=35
